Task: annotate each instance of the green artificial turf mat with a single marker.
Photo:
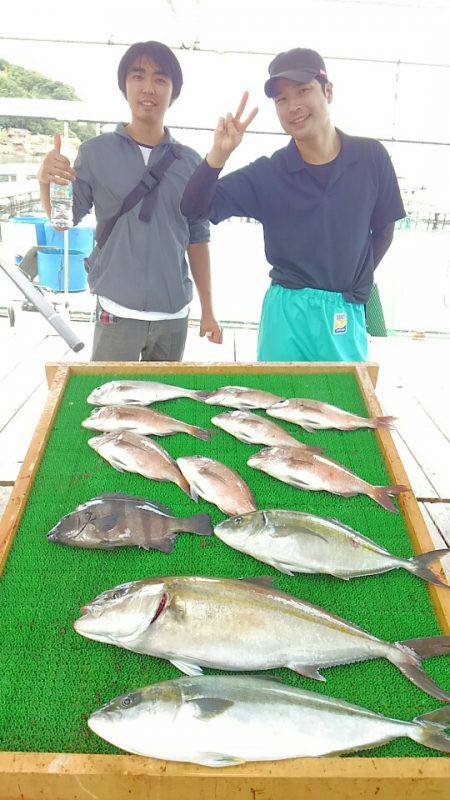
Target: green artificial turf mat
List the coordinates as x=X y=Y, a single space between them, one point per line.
x=51 y=678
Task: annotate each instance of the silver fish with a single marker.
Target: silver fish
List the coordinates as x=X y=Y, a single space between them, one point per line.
x=253 y=429
x=130 y=452
x=242 y=625
x=139 y=393
x=316 y=472
x=217 y=484
x=140 y=420
x=241 y=397
x=292 y=541
x=206 y=720
x=313 y=415
x=122 y=520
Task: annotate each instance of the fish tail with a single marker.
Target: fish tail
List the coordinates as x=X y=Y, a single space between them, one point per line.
x=419 y=566
x=408 y=656
x=200 y=433
x=381 y=495
x=430 y=729
x=184 y=486
x=381 y=422
x=199 y=523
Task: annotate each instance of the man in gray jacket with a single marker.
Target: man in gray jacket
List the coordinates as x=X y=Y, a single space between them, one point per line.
x=140 y=274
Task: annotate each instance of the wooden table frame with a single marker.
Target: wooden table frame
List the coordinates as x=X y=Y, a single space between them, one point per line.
x=59 y=776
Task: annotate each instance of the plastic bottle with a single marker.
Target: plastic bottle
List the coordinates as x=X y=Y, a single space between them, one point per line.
x=61 y=201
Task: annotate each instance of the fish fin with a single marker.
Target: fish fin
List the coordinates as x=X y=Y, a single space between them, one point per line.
x=287 y=569
x=307 y=670
x=266 y=581
x=382 y=422
x=218 y=760
x=381 y=495
x=199 y=524
x=165 y=546
x=188 y=669
x=428 y=646
x=430 y=729
x=208 y=707
x=201 y=433
x=194 y=493
x=106 y=523
x=120 y=466
x=440 y=716
x=407 y=658
x=151 y=505
x=308 y=427
x=419 y=566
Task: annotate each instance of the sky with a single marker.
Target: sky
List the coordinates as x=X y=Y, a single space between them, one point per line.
x=371 y=98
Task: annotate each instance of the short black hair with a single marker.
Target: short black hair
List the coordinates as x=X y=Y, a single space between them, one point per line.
x=161 y=55
x=323 y=81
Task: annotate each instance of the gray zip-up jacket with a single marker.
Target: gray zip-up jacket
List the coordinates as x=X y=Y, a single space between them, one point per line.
x=143 y=264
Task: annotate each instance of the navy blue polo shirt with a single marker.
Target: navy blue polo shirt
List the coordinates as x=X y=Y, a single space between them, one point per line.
x=317 y=233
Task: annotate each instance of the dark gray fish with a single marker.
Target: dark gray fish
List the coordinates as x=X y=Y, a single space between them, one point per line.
x=122 y=520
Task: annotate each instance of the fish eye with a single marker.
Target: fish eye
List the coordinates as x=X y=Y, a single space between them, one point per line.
x=238 y=520
x=126 y=701
x=118 y=593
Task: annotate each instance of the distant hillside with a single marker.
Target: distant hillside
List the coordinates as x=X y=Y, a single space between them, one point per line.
x=16 y=81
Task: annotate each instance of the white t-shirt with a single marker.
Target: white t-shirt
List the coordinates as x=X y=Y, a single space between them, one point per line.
x=130 y=313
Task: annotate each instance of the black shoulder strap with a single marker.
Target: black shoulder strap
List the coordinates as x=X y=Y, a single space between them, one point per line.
x=144 y=189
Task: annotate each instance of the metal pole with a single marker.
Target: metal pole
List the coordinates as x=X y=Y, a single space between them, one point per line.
x=66 y=268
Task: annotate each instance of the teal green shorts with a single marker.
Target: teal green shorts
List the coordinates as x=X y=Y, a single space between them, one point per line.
x=311 y=325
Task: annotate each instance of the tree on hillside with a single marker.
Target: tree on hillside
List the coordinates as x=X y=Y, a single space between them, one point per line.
x=16 y=81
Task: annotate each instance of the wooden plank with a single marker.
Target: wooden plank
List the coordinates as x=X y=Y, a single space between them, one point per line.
x=26 y=378
x=418 y=531
x=22 y=486
x=17 y=434
x=183 y=367
x=423 y=438
x=50 y=776
x=440 y=514
x=27 y=339
x=438 y=540
x=65 y=776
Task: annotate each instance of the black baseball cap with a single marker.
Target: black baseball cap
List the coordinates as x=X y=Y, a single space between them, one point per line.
x=299 y=65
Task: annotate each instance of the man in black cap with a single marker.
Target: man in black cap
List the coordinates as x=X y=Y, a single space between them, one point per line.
x=327 y=202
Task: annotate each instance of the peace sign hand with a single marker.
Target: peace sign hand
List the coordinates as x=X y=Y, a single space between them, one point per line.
x=228 y=134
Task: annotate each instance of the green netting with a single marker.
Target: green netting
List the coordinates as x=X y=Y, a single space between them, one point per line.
x=51 y=678
x=375 y=322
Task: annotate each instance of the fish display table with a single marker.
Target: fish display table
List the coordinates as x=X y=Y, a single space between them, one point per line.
x=51 y=679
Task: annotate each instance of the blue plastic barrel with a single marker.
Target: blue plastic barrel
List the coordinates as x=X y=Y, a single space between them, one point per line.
x=50 y=262
x=81 y=239
x=39 y=223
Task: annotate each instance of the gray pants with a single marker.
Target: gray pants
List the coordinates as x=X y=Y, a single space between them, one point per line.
x=138 y=340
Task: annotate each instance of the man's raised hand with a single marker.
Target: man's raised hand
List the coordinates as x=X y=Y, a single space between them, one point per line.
x=228 y=134
x=55 y=167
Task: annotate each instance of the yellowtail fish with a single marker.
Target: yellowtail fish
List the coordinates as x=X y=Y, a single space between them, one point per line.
x=243 y=625
x=206 y=720
x=292 y=541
